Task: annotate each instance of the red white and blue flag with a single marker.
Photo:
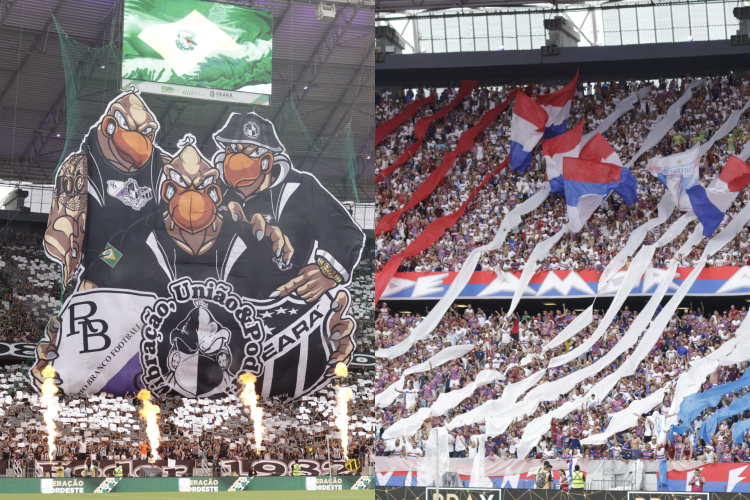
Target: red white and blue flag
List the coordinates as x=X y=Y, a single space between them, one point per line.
x=588 y=183
x=567 y=145
x=598 y=149
x=678 y=172
x=526 y=129
x=557 y=105
x=711 y=203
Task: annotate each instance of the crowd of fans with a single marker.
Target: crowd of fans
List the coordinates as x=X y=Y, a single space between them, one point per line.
x=105 y=427
x=610 y=225
x=500 y=344
x=30 y=287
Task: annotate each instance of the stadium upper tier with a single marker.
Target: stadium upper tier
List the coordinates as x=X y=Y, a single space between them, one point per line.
x=612 y=223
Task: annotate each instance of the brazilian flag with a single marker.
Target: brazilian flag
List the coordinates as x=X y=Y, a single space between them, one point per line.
x=197 y=43
x=110 y=255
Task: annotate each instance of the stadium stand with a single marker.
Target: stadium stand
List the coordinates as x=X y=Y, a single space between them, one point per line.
x=109 y=428
x=501 y=347
x=704 y=114
x=30 y=286
x=462 y=375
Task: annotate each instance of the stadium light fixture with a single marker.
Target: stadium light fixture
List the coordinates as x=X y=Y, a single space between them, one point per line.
x=690 y=38
x=103 y=66
x=549 y=304
x=305 y=87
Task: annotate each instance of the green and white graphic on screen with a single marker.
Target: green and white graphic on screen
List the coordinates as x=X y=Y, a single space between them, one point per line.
x=197 y=43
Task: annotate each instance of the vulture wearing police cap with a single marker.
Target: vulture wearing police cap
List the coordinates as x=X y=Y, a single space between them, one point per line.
x=322 y=243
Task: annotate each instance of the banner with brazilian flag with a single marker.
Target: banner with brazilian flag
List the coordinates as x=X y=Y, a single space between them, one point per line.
x=194 y=43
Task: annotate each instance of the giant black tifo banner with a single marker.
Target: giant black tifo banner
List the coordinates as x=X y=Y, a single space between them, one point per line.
x=349 y=467
x=190 y=271
x=106 y=468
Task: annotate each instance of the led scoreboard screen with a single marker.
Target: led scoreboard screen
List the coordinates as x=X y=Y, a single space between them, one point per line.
x=198 y=49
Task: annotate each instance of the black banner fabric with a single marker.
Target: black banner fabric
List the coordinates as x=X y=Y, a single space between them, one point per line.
x=106 y=468
x=189 y=271
x=17 y=350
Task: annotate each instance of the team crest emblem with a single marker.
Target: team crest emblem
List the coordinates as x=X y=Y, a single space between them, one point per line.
x=130 y=193
x=185 y=40
x=187 y=340
x=251 y=130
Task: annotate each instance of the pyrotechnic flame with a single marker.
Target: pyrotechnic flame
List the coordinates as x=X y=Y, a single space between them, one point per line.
x=149 y=413
x=52 y=410
x=341 y=370
x=342 y=418
x=250 y=398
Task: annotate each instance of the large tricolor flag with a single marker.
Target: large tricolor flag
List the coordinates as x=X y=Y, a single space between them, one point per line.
x=526 y=128
x=678 y=173
x=711 y=203
x=588 y=183
x=598 y=149
x=554 y=150
x=557 y=106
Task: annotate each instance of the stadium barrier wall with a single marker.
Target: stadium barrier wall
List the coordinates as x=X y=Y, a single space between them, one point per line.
x=600 y=474
x=422 y=493
x=723 y=280
x=178 y=484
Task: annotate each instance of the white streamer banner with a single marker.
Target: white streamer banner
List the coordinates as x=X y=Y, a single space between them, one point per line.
x=479 y=478
x=727 y=127
x=449 y=400
x=492 y=407
x=408 y=426
x=639 y=325
x=389 y=395
x=540 y=252
x=676 y=229
x=582 y=321
x=665 y=209
x=621 y=108
x=627 y=418
x=733 y=351
x=662 y=127
x=432 y=320
x=632 y=278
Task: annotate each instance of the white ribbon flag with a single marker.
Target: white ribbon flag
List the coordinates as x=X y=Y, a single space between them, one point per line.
x=665 y=209
x=621 y=108
x=727 y=127
x=579 y=323
x=627 y=418
x=539 y=253
x=662 y=127
x=632 y=278
x=432 y=320
x=389 y=395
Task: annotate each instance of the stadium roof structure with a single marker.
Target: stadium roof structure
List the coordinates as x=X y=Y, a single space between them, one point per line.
x=325 y=67
x=383 y=6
